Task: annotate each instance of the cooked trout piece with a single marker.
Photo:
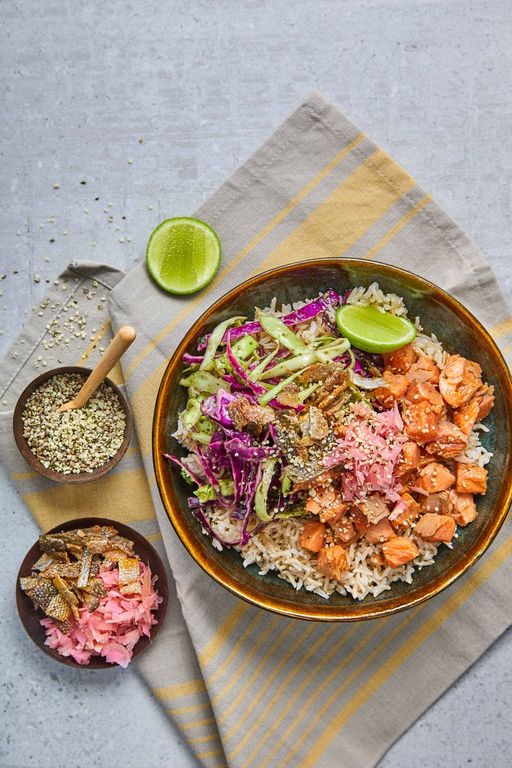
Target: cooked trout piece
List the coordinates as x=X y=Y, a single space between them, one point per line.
x=448 y=441
x=250 y=416
x=459 y=380
x=332 y=561
x=396 y=385
x=312 y=536
x=399 y=551
x=435 y=477
x=313 y=424
x=471 y=478
x=432 y=527
x=400 y=360
x=463 y=507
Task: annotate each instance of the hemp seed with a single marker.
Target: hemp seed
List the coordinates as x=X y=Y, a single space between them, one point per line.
x=77 y=441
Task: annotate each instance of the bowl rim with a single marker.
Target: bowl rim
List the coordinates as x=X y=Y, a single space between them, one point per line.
x=31 y=458
x=336 y=613
x=25 y=606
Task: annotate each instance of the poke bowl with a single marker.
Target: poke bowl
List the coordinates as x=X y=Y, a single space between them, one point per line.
x=317 y=478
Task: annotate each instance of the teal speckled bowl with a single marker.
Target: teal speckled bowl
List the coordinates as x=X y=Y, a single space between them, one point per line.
x=459 y=331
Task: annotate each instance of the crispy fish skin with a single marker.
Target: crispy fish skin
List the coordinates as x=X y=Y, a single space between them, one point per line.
x=42 y=592
x=28 y=584
x=65 y=592
x=44 y=561
x=90 y=600
x=64 y=570
x=58 y=608
x=97 y=539
x=133 y=588
x=129 y=570
x=60 y=584
x=95 y=587
x=85 y=569
x=46 y=596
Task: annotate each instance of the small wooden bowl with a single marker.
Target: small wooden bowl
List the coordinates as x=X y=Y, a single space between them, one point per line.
x=31 y=458
x=30 y=616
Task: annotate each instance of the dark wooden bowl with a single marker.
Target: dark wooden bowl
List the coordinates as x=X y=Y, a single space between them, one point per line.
x=439 y=313
x=30 y=616
x=31 y=458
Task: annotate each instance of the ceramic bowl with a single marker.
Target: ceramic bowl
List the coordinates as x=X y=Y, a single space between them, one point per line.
x=459 y=331
x=31 y=458
x=30 y=617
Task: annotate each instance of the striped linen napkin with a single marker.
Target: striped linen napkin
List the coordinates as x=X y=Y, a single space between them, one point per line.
x=245 y=687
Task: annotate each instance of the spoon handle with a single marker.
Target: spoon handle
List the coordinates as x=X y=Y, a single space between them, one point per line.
x=117 y=347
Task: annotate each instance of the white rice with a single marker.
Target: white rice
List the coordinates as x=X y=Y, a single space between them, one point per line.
x=276 y=547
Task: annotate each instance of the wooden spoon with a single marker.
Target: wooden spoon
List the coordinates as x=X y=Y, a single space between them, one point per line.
x=112 y=354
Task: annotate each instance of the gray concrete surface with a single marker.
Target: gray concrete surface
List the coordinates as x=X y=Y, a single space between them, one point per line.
x=186 y=91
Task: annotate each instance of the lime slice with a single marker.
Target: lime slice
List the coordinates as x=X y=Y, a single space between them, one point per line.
x=183 y=255
x=372 y=330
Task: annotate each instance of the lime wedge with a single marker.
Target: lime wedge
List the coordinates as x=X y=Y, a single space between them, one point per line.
x=183 y=255
x=372 y=330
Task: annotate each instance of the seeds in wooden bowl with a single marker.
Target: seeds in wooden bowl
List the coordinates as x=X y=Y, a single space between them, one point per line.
x=80 y=440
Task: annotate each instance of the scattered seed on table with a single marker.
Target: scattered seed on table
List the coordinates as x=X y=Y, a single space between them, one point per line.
x=37 y=278
x=56 y=185
x=77 y=441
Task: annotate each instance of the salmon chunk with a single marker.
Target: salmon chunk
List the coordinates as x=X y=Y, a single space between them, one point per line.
x=395 y=387
x=485 y=399
x=359 y=521
x=409 y=458
x=381 y=531
x=471 y=478
x=424 y=390
x=420 y=421
x=400 y=360
x=463 y=507
x=435 y=477
x=449 y=441
x=466 y=416
x=438 y=503
x=399 y=551
x=409 y=514
x=344 y=532
x=332 y=561
x=459 y=380
x=432 y=527
x=374 y=508
x=312 y=536
x=424 y=369
x=327 y=505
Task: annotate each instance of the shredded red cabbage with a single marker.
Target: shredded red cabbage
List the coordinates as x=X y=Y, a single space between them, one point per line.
x=328 y=300
x=216 y=407
x=183 y=466
x=191 y=359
